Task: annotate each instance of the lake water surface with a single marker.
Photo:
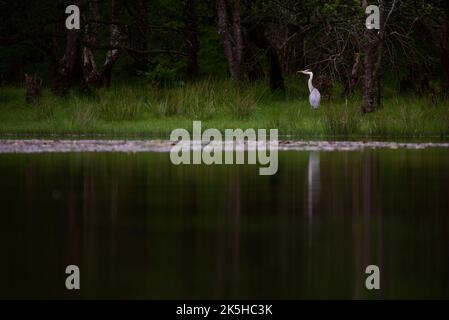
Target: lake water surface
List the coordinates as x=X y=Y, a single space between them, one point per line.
x=140 y=227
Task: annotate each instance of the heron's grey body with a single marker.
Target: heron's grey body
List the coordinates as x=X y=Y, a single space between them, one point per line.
x=314 y=96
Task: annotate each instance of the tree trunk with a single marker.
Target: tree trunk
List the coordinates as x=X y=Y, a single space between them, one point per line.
x=113 y=54
x=230 y=31
x=192 y=43
x=69 y=69
x=90 y=71
x=378 y=67
x=238 y=38
x=95 y=77
x=255 y=36
x=373 y=49
x=370 y=43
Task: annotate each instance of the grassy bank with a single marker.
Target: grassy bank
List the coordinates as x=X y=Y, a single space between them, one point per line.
x=125 y=110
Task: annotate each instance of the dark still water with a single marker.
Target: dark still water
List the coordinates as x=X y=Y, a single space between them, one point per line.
x=140 y=227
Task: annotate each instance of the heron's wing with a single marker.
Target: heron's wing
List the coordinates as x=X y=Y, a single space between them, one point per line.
x=315 y=98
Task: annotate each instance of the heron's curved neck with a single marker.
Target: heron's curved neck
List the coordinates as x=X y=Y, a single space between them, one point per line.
x=310 y=82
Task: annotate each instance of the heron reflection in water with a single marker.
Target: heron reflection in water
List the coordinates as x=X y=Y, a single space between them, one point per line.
x=313 y=183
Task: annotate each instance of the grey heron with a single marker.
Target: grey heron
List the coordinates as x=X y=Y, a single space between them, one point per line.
x=314 y=96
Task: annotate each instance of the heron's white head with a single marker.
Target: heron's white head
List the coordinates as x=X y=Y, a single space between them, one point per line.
x=310 y=74
x=307 y=71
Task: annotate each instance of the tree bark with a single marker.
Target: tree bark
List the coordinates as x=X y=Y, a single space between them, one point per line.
x=255 y=36
x=373 y=49
x=92 y=14
x=113 y=54
x=230 y=31
x=370 y=44
x=378 y=67
x=95 y=77
x=69 y=69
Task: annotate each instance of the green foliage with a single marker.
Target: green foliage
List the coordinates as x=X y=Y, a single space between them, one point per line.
x=219 y=104
x=203 y=100
x=119 y=103
x=162 y=76
x=83 y=114
x=211 y=58
x=341 y=119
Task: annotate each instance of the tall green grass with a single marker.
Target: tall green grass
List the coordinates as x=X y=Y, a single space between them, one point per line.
x=144 y=109
x=205 y=100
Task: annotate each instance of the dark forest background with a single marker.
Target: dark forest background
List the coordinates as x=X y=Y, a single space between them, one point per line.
x=172 y=42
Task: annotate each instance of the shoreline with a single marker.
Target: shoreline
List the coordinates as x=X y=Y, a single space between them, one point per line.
x=10 y=146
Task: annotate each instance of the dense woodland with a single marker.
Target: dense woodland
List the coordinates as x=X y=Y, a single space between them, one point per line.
x=172 y=42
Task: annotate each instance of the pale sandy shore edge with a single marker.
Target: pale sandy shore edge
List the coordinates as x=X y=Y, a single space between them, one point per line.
x=133 y=146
